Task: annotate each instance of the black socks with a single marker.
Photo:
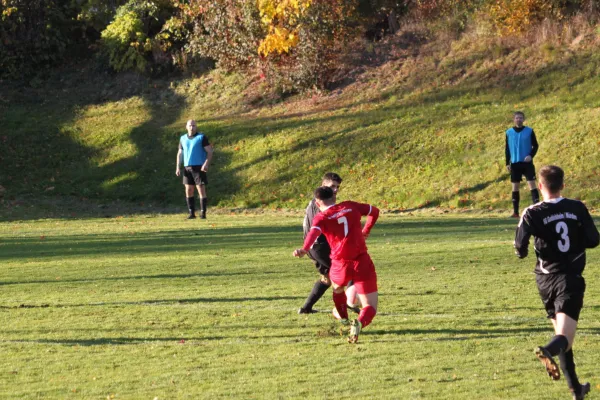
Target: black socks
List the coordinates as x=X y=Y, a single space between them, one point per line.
x=557 y=344
x=515 y=201
x=190 y=204
x=568 y=368
x=535 y=196
x=316 y=293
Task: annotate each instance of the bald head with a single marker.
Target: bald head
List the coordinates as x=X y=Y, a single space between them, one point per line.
x=191 y=127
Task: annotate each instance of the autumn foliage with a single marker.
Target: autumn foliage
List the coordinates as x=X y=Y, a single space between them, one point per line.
x=292 y=44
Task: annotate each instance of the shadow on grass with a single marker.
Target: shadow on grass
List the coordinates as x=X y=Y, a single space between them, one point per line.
x=138 y=277
x=231 y=241
x=86 y=175
x=145 y=243
x=196 y=300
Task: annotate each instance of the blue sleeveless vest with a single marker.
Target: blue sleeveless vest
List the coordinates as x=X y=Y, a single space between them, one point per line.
x=193 y=152
x=519 y=144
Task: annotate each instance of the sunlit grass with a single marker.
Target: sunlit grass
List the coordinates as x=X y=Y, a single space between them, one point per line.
x=160 y=307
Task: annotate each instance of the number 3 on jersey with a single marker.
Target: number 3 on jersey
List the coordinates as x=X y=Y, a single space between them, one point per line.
x=344 y=220
x=563 y=229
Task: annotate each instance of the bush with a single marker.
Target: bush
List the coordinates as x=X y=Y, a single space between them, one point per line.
x=34 y=34
x=303 y=48
x=228 y=32
x=128 y=41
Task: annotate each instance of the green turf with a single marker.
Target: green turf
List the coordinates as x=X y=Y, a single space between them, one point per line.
x=154 y=306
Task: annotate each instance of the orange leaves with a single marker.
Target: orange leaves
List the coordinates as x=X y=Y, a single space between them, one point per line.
x=513 y=17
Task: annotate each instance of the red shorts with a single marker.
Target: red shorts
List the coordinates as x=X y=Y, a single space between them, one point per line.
x=361 y=271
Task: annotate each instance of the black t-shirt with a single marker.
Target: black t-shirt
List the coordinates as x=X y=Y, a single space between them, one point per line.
x=311 y=211
x=563 y=229
x=205 y=141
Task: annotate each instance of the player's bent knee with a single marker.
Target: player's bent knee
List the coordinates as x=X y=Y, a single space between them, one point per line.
x=338 y=289
x=325 y=280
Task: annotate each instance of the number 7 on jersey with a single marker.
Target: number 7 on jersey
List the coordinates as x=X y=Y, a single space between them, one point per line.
x=344 y=220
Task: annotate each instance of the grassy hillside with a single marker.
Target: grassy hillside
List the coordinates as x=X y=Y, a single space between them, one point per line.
x=422 y=126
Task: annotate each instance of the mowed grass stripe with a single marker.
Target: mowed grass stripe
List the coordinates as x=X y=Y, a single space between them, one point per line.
x=207 y=309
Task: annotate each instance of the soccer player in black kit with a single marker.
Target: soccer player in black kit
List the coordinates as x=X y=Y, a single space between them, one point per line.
x=563 y=229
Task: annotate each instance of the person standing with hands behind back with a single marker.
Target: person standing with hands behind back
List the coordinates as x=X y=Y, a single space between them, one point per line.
x=196 y=152
x=521 y=146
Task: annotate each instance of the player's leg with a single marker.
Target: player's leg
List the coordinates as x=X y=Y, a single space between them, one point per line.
x=547 y=287
x=530 y=177
x=203 y=200
x=515 y=196
x=320 y=255
x=318 y=290
x=351 y=297
x=340 y=275
x=189 y=197
x=365 y=282
x=567 y=326
x=569 y=304
x=339 y=299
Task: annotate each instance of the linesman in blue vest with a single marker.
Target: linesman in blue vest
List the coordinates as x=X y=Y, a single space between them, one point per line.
x=196 y=153
x=521 y=147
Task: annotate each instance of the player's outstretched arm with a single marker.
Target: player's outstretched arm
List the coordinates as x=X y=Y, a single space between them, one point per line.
x=309 y=240
x=522 y=237
x=372 y=217
x=592 y=237
x=299 y=253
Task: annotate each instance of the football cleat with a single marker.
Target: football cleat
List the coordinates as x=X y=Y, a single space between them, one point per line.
x=546 y=359
x=584 y=389
x=354 y=331
x=345 y=322
x=303 y=310
x=515 y=215
x=203 y=215
x=191 y=216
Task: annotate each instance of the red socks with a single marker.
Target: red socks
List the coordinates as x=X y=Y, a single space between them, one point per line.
x=339 y=299
x=366 y=315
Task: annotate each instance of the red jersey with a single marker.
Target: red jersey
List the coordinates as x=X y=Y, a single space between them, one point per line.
x=341 y=226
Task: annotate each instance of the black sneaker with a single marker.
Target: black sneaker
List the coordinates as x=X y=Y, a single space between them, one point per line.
x=303 y=310
x=546 y=358
x=583 y=390
x=203 y=215
x=191 y=216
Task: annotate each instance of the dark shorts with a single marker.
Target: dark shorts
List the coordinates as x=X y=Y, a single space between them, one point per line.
x=319 y=253
x=561 y=293
x=194 y=176
x=517 y=170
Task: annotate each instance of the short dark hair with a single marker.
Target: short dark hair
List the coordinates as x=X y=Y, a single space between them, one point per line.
x=332 y=176
x=552 y=177
x=324 y=193
x=521 y=113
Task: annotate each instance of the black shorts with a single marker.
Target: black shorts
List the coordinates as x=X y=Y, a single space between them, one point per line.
x=561 y=293
x=194 y=176
x=320 y=253
x=517 y=170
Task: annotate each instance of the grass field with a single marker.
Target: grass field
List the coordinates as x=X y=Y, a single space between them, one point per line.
x=156 y=307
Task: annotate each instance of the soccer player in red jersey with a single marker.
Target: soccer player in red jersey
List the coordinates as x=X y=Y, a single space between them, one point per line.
x=341 y=225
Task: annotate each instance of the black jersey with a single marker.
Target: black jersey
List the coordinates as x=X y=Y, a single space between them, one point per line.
x=311 y=211
x=563 y=229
